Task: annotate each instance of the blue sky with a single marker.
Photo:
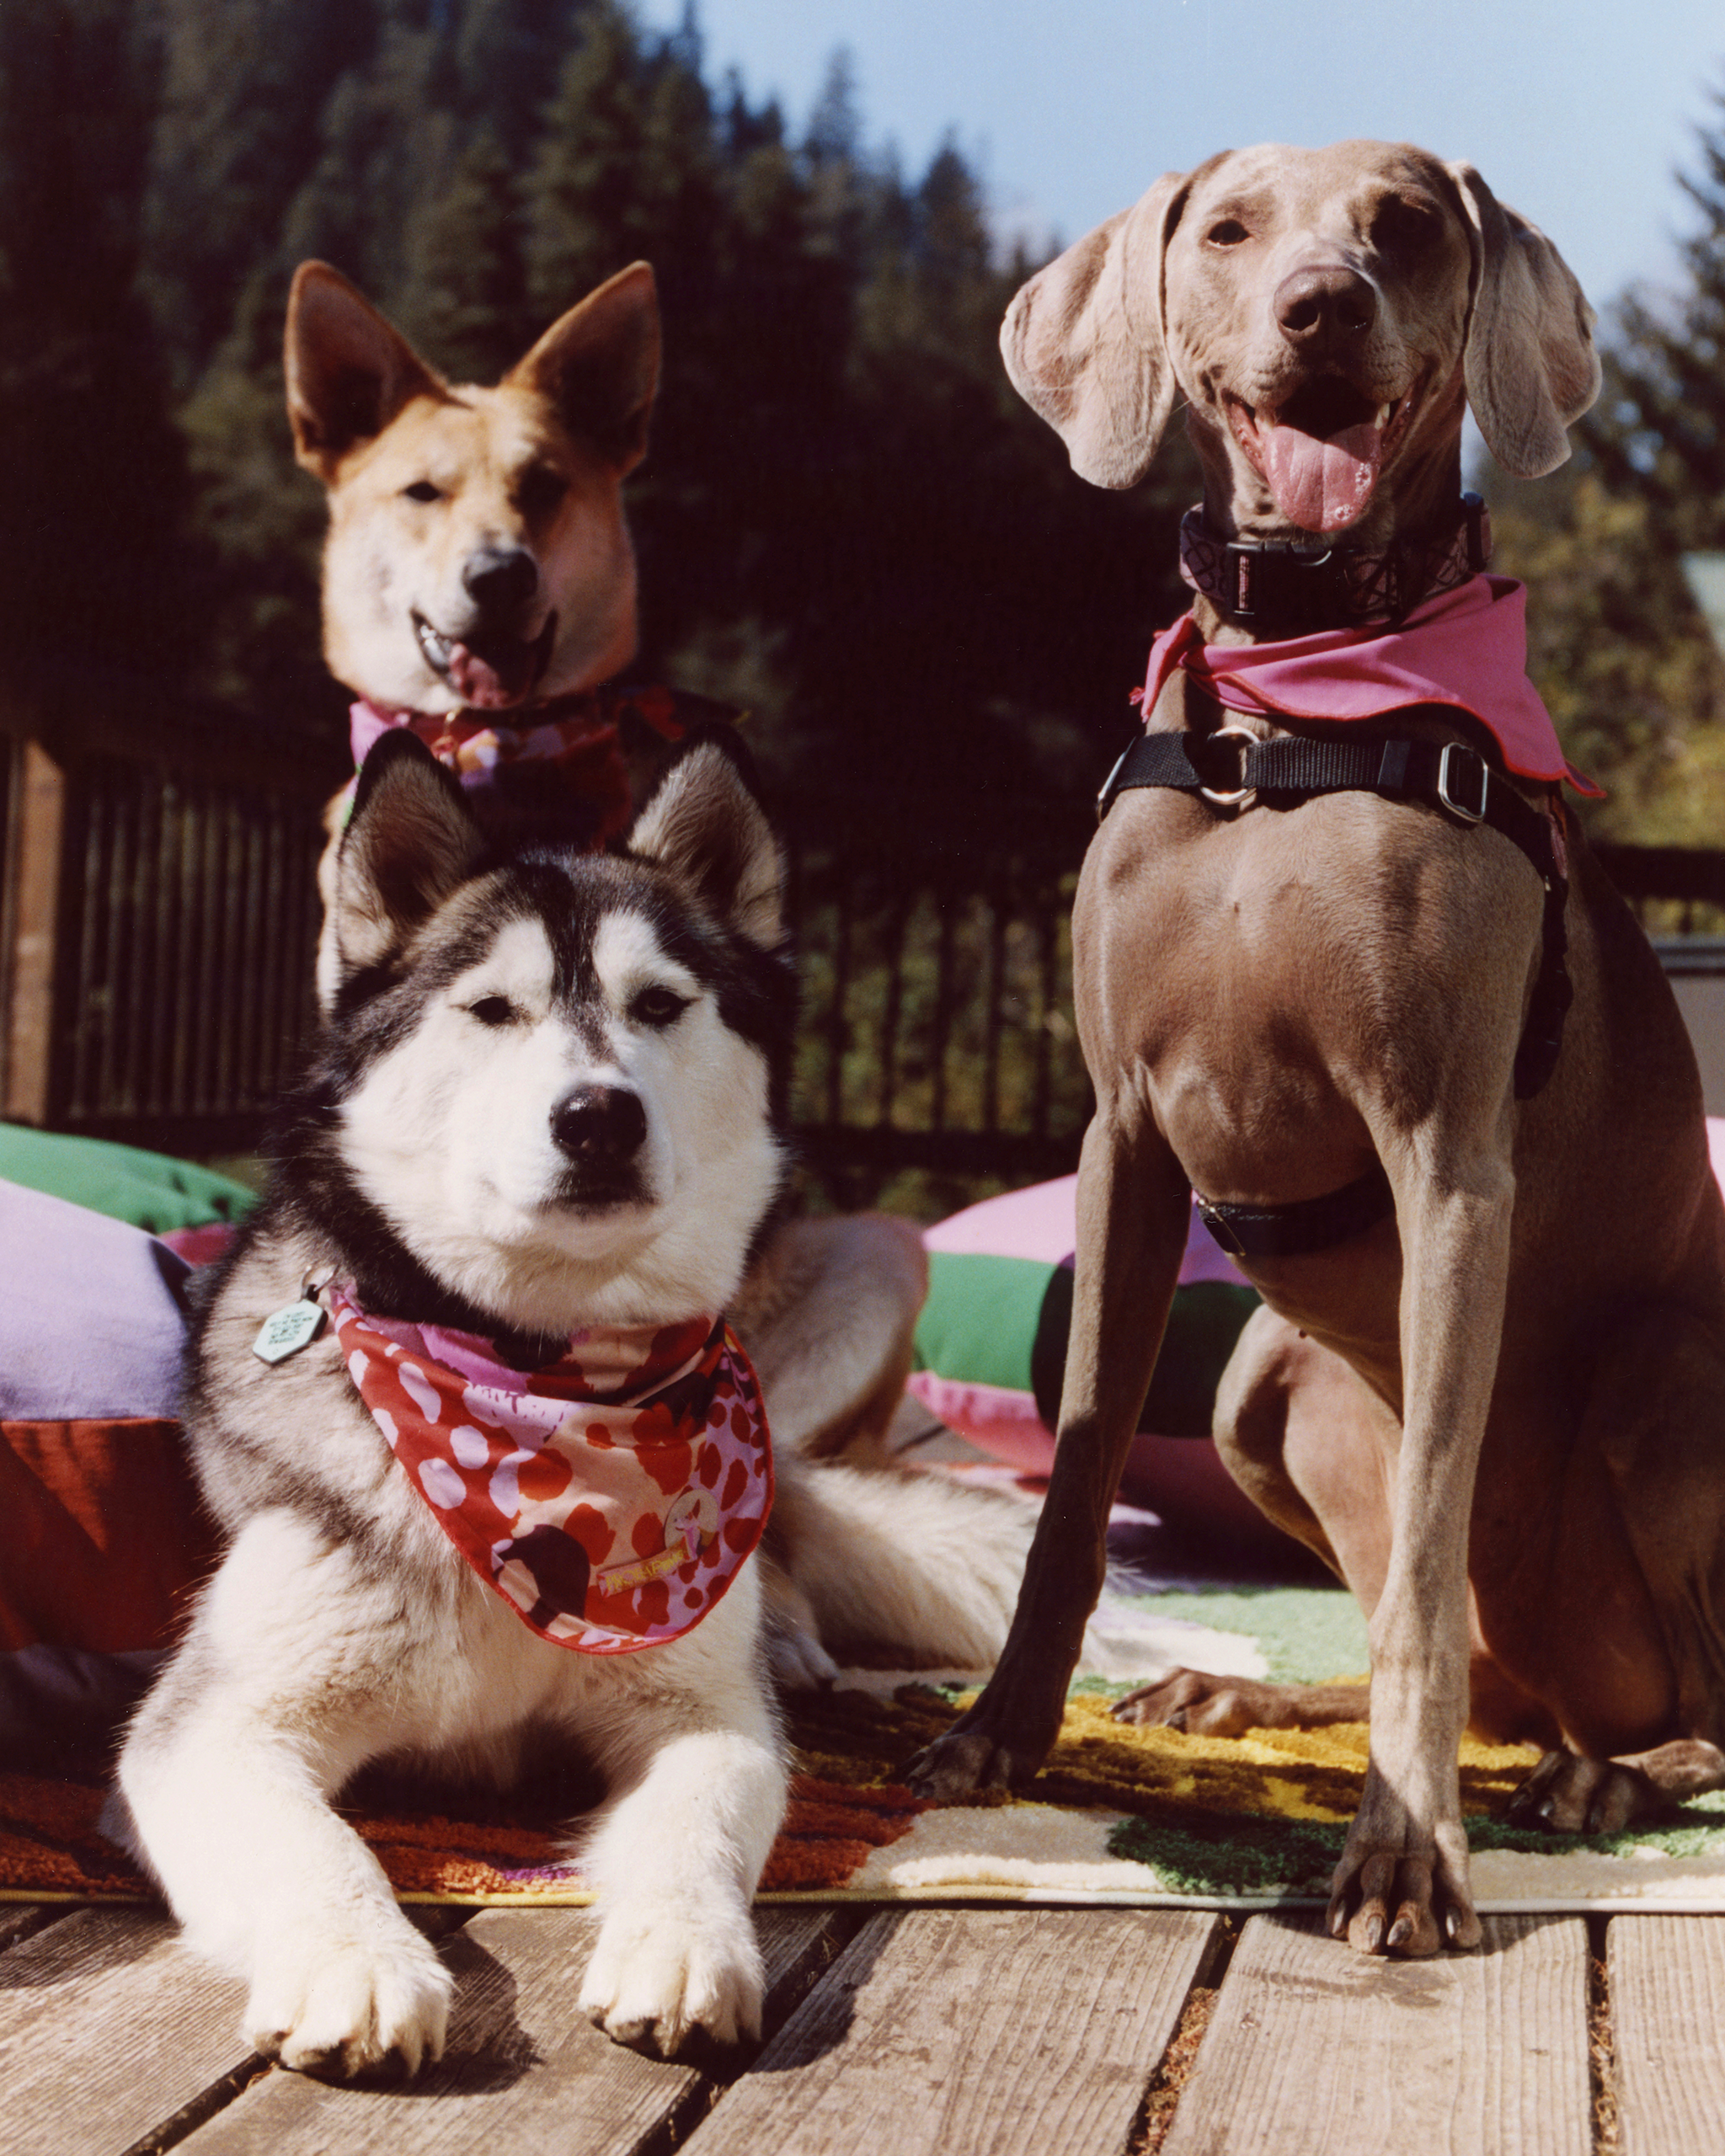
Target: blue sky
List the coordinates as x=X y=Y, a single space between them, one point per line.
x=1576 y=112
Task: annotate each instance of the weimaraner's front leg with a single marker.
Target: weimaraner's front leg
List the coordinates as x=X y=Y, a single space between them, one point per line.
x=1132 y=1209
x=1402 y=1883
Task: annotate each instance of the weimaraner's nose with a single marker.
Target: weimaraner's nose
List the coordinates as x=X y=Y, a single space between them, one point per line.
x=1320 y=308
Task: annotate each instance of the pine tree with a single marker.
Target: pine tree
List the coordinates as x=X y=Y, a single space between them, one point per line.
x=93 y=483
x=244 y=82
x=386 y=151
x=507 y=55
x=1617 y=646
x=585 y=215
x=465 y=300
x=1659 y=428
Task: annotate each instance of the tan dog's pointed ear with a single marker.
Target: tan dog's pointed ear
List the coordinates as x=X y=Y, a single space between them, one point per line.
x=348 y=371
x=1083 y=341
x=599 y=366
x=1530 y=364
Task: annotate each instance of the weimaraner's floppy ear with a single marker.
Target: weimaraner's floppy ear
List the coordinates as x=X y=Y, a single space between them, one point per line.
x=1530 y=366
x=1084 y=347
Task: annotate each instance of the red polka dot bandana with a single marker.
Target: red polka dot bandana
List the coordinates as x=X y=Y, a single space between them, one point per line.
x=611 y=1497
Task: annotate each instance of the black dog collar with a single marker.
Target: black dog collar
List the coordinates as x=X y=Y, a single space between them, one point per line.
x=1279 y=590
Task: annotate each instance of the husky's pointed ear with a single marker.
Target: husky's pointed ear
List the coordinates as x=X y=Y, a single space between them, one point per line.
x=348 y=371
x=411 y=840
x=599 y=366
x=1084 y=345
x=704 y=824
x=1529 y=363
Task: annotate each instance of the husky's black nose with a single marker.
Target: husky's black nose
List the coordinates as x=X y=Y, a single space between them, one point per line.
x=501 y=577
x=599 y=1126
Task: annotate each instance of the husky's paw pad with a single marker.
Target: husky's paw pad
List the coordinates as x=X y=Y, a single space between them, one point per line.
x=350 y=2006
x=661 y=1986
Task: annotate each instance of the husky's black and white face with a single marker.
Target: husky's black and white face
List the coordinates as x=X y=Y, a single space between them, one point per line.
x=553 y=1083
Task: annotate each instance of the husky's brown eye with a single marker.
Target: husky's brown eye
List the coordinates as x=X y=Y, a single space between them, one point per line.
x=492 y=1011
x=422 y=490
x=657 y=1007
x=541 y=490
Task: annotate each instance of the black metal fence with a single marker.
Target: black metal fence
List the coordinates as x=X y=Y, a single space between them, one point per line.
x=191 y=922
x=936 y=1030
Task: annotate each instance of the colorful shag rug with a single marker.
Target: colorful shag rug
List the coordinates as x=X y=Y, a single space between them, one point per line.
x=1120 y=1814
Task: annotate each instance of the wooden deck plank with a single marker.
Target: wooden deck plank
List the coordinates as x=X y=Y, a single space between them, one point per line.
x=525 y=2071
x=1314 y=2051
x=109 y=2027
x=1667 y=1979
x=19 y=1919
x=971 y=2033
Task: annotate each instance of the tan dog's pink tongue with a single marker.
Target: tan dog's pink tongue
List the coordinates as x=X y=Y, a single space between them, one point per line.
x=478 y=683
x=1321 y=485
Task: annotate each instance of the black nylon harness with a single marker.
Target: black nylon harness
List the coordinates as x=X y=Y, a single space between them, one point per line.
x=1449 y=776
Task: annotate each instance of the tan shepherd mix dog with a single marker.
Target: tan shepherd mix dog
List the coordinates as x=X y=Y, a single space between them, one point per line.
x=478 y=568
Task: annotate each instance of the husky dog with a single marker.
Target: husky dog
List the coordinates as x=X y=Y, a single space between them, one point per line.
x=545 y=1116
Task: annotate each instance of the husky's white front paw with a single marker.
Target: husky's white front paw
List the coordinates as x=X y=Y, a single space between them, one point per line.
x=333 y=2006
x=656 y=1978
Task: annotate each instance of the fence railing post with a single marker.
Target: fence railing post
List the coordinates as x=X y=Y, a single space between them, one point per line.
x=30 y=924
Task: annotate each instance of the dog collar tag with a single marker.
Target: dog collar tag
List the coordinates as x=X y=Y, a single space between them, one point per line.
x=286 y=1332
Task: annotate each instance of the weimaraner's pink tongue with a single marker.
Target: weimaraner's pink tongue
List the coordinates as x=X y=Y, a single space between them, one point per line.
x=1321 y=485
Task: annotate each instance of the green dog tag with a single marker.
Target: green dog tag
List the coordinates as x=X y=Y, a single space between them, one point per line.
x=288 y=1331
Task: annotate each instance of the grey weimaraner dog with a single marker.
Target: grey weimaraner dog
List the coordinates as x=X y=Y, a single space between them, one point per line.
x=1488 y=1387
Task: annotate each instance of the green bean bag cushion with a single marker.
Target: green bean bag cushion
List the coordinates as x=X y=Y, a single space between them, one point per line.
x=992 y=1343
x=148 y=1190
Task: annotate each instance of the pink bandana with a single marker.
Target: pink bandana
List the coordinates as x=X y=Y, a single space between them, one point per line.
x=610 y=1498
x=1468 y=648
x=578 y=734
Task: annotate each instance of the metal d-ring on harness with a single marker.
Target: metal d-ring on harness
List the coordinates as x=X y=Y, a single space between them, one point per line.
x=1450 y=776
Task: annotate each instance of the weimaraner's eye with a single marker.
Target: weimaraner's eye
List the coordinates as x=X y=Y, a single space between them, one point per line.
x=1229 y=232
x=1402 y=227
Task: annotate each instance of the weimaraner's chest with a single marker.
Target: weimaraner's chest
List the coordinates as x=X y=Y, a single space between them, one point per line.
x=1276 y=971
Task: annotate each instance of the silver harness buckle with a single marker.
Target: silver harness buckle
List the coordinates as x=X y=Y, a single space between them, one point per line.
x=1460 y=809
x=1239 y=797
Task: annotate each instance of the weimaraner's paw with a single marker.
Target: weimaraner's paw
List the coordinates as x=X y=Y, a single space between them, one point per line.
x=1001 y=1741
x=1386 y=1900
x=1205 y=1705
x=1568 y=1795
x=957 y=1765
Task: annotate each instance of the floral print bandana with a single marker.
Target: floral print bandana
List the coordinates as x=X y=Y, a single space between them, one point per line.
x=610 y=1498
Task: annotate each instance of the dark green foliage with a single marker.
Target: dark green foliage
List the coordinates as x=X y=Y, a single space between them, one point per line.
x=1616 y=644
x=1659 y=428
x=847 y=523
x=91 y=470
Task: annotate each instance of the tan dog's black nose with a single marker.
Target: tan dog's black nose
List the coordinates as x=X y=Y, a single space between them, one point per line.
x=1318 y=309
x=498 y=577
